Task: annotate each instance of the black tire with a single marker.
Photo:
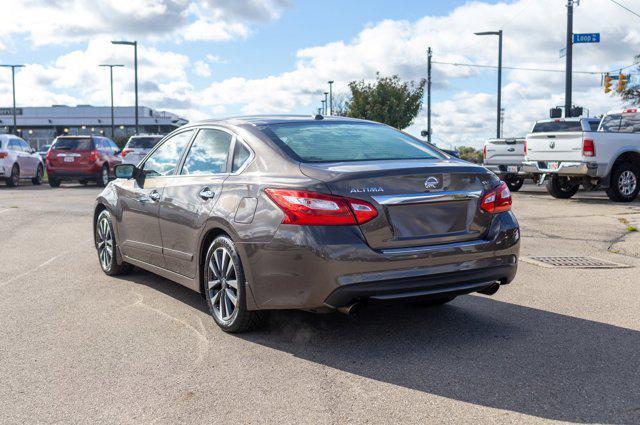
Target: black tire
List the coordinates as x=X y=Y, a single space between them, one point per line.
x=37 y=180
x=83 y=182
x=54 y=182
x=14 y=178
x=103 y=237
x=435 y=301
x=561 y=187
x=241 y=319
x=625 y=183
x=103 y=177
x=514 y=184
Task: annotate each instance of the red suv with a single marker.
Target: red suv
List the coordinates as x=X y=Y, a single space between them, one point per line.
x=82 y=158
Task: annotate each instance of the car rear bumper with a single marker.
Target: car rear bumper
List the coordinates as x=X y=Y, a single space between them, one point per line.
x=319 y=267
x=73 y=174
x=569 y=168
x=507 y=170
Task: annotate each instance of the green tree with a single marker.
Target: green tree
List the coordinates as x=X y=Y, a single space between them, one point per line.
x=388 y=100
x=470 y=154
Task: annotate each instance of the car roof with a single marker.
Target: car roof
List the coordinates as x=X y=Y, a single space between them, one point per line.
x=256 y=120
x=568 y=119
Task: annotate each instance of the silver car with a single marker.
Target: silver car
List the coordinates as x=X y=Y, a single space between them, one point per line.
x=138 y=147
x=19 y=161
x=299 y=212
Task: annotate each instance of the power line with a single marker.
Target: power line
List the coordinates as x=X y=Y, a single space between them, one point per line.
x=625 y=8
x=473 y=65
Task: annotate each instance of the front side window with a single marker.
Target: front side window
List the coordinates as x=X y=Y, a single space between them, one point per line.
x=164 y=160
x=208 y=153
x=332 y=142
x=14 y=145
x=611 y=123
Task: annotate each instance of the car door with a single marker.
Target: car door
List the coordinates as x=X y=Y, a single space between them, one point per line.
x=34 y=158
x=139 y=201
x=22 y=158
x=189 y=197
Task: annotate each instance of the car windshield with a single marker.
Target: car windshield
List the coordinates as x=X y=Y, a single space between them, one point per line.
x=73 y=144
x=143 y=142
x=557 y=127
x=333 y=142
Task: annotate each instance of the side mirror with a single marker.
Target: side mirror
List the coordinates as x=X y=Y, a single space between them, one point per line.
x=32 y=150
x=126 y=171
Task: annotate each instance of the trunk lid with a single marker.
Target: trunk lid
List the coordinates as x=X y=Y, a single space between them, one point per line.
x=504 y=151
x=563 y=146
x=419 y=202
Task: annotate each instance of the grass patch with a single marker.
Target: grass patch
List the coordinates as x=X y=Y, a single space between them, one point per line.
x=631 y=228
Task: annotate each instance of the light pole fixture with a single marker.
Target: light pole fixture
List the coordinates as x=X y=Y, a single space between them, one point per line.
x=324 y=106
x=330 y=97
x=13 y=85
x=135 y=71
x=499 y=34
x=113 y=125
x=326 y=102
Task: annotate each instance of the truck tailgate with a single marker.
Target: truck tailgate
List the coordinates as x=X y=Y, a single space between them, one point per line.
x=504 y=151
x=566 y=146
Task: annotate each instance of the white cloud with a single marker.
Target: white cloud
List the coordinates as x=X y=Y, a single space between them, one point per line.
x=63 y=21
x=202 y=69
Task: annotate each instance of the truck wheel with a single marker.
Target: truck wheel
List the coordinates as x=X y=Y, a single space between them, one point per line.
x=514 y=183
x=561 y=187
x=624 y=185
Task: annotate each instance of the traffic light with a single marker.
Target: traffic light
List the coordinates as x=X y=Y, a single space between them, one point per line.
x=607 y=83
x=622 y=82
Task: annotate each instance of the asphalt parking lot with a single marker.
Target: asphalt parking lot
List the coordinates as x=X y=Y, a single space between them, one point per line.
x=79 y=346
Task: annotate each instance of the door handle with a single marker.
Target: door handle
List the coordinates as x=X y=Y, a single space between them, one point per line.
x=154 y=195
x=206 y=193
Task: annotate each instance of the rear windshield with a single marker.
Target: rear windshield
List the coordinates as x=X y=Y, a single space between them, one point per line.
x=143 y=142
x=72 y=144
x=329 y=142
x=557 y=127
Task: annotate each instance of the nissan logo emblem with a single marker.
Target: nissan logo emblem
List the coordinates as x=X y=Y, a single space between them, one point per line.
x=431 y=182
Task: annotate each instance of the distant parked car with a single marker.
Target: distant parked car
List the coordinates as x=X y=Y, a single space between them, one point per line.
x=43 y=152
x=82 y=158
x=138 y=147
x=18 y=161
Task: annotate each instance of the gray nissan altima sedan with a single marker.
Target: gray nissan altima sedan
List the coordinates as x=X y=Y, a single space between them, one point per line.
x=303 y=212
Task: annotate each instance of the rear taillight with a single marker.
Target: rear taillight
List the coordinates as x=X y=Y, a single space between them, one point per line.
x=524 y=146
x=302 y=207
x=588 y=148
x=126 y=151
x=93 y=156
x=497 y=200
x=3 y=155
x=484 y=152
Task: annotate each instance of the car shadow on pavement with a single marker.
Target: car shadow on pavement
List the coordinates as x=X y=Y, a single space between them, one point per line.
x=478 y=350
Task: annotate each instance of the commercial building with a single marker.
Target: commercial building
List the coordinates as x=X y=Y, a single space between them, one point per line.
x=40 y=125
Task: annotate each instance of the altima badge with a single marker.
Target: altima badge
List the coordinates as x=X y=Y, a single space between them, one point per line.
x=367 y=189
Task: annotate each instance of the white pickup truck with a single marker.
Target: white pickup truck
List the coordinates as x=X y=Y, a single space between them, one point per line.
x=504 y=157
x=572 y=152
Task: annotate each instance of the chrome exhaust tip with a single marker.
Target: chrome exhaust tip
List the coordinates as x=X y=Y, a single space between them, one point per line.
x=350 y=309
x=491 y=289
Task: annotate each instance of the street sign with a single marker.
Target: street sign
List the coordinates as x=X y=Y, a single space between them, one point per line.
x=563 y=52
x=586 y=38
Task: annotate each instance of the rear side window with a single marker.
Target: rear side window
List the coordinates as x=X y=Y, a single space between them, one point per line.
x=329 y=142
x=208 y=153
x=593 y=125
x=143 y=142
x=240 y=155
x=630 y=123
x=164 y=160
x=73 y=144
x=557 y=127
x=14 y=145
x=611 y=123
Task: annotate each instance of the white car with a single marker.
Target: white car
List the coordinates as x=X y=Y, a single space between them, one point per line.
x=608 y=158
x=138 y=147
x=19 y=161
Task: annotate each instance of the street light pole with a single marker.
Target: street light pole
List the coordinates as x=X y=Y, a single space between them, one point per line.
x=135 y=71
x=111 y=66
x=499 y=106
x=324 y=106
x=569 y=59
x=13 y=88
x=326 y=102
x=330 y=97
x=429 y=53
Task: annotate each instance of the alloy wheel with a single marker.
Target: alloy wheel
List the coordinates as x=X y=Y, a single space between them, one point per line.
x=105 y=243
x=222 y=284
x=627 y=183
x=105 y=175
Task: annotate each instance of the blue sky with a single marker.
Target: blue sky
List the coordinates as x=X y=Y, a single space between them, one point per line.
x=213 y=58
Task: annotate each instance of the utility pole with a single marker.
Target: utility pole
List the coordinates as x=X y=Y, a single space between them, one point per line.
x=569 y=58
x=13 y=87
x=135 y=70
x=324 y=106
x=330 y=97
x=429 y=53
x=499 y=106
x=326 y=102
x=113 y=125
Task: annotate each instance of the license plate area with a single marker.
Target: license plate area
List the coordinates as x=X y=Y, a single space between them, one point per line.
x=512 y=168
x=553 y=165
x=429 y=219
x=69 y=159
